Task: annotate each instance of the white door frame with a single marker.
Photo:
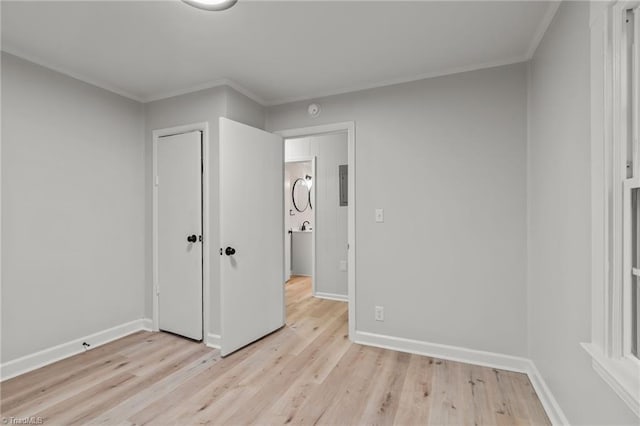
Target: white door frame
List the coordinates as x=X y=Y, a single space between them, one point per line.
x=350 y=128
x=206 y=269
x=314 y=174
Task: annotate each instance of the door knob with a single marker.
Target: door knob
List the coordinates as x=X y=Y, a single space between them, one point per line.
x=192 y=238
x=229 y=251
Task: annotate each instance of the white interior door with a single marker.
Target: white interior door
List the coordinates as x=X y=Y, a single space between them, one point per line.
x=251 y=234
x=179 y=180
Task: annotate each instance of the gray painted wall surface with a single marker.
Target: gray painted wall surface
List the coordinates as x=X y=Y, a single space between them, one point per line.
x=559 y=229
x=244 y=110
x=73 y=209
x=445 y=158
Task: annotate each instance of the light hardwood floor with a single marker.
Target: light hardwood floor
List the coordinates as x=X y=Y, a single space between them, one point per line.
x=307 y=373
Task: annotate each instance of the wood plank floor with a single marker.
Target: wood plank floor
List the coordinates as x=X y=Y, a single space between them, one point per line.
x=307 y=373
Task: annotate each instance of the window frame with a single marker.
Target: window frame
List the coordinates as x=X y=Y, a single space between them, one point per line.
x=610 y=346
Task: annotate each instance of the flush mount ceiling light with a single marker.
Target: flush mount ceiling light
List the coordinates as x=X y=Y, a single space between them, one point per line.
x=211 y=4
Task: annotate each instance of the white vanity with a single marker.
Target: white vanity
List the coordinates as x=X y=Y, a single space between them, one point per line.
x=301 y=252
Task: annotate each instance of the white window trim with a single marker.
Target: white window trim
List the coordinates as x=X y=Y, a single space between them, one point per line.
x=610 y=346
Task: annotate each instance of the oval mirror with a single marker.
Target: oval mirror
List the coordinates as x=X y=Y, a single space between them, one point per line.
x=300 y=195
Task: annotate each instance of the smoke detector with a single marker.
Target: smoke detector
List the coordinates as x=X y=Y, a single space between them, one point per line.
x=314 y=110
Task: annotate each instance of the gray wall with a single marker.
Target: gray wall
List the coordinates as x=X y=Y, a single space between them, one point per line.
x=73 y=212
x=445 y=158
x=244 y=110
x=559 y=228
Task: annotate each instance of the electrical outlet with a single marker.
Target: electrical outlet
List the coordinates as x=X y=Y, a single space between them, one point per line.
x=379 y=313
x=379 y=215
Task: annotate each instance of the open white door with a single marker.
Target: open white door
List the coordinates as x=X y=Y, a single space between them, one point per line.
x=179 y=243
x=251 y=234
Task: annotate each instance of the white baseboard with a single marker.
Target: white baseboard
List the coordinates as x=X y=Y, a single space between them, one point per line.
x=213 y=341
x=331 y=296
x=471 y=356
x=50 y=355
x=551 y=406
x=147 y=324
x=452 y=353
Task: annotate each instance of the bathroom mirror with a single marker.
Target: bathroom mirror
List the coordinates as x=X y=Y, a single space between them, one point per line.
x=300 y=195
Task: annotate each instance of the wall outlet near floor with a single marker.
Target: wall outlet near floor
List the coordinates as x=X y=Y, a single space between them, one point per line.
x=379 y=313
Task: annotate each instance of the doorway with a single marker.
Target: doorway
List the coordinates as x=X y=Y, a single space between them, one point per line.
x=331 y=188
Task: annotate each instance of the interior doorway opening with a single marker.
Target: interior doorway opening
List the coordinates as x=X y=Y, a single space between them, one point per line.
x=316 y=207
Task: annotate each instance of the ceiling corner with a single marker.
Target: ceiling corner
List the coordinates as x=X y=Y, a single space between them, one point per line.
x=542 y=27
x=62 y=70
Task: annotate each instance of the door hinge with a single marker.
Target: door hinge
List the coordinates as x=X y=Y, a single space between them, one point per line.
x=221 y=252
x=157 y=180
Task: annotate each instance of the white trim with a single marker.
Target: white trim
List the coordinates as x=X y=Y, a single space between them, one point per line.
x=548 y=401
x=613 y=308
x=50 y=355
x=452 y=353
x=77 y=76
x=542 y=28
x=621 y=374
x=611 y=271
x=212 y=341
x=350 y=128
x=628 y=269
x=147 y=324
x=332 y=296
x=399 y=80
x=208 y=85
x=142 y=99
x=314 y=173
x=206 y=234
x=471 y=356
x=241 y=89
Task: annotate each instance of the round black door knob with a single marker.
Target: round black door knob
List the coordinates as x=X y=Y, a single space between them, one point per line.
x=192 y=238
x=229 y=251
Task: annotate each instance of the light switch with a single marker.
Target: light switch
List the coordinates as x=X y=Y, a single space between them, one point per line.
x=379 y=215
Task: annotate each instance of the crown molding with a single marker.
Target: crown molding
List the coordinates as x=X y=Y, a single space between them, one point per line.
x=539 y=34
x=391 y=82
x=208 y=85
x=72 y=74
x=543 y=27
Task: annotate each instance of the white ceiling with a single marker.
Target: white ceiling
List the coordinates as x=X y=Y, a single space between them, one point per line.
x=272 y=51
